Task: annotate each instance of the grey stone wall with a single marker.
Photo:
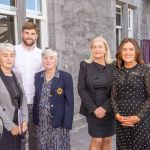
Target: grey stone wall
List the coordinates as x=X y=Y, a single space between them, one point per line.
x=74 y=23
x=77 y=22
x=145 y=20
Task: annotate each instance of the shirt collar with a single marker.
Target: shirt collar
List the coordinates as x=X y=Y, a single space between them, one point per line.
x=56 y=75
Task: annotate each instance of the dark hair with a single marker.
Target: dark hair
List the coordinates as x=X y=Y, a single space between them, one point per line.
x=138 y=57
x=29 y=25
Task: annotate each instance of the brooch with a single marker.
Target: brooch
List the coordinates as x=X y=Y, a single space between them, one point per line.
x=59 y=91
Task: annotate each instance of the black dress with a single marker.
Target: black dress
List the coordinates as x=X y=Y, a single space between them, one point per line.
x=131 y=96
x=100 y=83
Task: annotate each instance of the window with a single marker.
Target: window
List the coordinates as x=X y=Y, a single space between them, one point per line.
x=7 y=29
x=130 y=23
x=118 y=24
x=121 y=22
x=34 y=7
x=36 y=12
x=8 y=25
x=8 y=2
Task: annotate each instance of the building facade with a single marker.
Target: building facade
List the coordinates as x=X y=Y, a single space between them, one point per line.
x=70 y=25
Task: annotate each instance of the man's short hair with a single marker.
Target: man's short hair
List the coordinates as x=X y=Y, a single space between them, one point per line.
x=29 y=25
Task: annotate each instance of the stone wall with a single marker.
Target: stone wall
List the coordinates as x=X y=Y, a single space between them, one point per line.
x=74 y=23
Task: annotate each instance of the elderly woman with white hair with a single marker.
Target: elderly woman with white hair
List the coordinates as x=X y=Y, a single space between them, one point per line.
x=13 y=106
x=53 y=104
x=94 y=88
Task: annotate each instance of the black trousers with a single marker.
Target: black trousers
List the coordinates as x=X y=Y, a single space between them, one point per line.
x=10 y=142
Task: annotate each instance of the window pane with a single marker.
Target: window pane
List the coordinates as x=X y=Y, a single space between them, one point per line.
x=118 y=19
x=30 y=4
x=34 y=5
x=8 y=2
x=129 y=19
x=118 y=10
x=118 y=37
x=7 y=33
x=39 y=5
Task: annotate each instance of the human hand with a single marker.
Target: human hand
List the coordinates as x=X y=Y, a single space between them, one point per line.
x=15 y=130
x=123 y=120
x=24 y=127
x=100 y=112
x=131 y=121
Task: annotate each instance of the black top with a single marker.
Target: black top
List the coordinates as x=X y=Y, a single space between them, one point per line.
x=131 y=84
x=131 y=97
x=14 y=89
x=88 y=80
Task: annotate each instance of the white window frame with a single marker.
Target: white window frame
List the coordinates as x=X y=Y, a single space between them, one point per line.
x=10 y=10
x=119 y=27
x=130 y=22
x=43 y=19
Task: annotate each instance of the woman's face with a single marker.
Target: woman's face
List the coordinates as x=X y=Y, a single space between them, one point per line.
x=128 y=53
x=49 y=62
x=7 y=59
x=98 y=50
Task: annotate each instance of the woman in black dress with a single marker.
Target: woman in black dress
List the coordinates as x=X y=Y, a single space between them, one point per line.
x=94 y=83
x=131 y=98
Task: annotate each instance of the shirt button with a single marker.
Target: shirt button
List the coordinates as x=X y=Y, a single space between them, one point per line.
x=52 y=116
x=52 y=105
x=4 y=109
x=50 y=95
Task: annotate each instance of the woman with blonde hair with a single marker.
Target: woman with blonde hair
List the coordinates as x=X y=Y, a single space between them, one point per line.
x=94 y=84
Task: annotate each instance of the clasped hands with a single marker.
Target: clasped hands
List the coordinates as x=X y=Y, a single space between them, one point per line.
x=100 y=112
x=19 y=129
x=127 y=121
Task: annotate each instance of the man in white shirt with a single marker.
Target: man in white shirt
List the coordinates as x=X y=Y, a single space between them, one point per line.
x=28 y=62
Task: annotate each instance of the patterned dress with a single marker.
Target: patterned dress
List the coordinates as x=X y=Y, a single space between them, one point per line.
x=131 y=96
x=50 y=138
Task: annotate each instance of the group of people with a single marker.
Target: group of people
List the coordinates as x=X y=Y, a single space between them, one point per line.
x=37 y=97
x=116 y=96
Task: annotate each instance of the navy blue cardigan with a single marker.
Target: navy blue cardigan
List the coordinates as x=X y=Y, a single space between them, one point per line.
x=61 y=100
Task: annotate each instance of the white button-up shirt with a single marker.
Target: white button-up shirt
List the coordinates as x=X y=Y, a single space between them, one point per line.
x=27 y=64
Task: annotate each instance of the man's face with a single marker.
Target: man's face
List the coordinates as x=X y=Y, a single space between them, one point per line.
x=29 y=37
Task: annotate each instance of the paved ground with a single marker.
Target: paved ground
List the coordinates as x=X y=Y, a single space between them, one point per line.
x=80 y=139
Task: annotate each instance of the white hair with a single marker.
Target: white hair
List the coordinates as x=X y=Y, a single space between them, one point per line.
x=49 y=52
x=7 y=46
x=108 y=59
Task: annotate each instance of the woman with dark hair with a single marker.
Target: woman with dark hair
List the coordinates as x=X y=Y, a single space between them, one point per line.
x=131 y=98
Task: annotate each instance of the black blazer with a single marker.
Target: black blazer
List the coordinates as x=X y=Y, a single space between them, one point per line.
x=86 y=90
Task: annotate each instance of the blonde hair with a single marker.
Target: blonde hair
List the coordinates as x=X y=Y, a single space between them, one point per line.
x=108 y=59
x=7 y=46
x=49 y=51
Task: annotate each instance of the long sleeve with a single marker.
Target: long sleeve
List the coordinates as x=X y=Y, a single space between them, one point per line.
x=146 y=106
x=114 y=95
x=69 y=102
x=107 y=105
x=84 y=93
x=8 y=123
x=24 y=107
